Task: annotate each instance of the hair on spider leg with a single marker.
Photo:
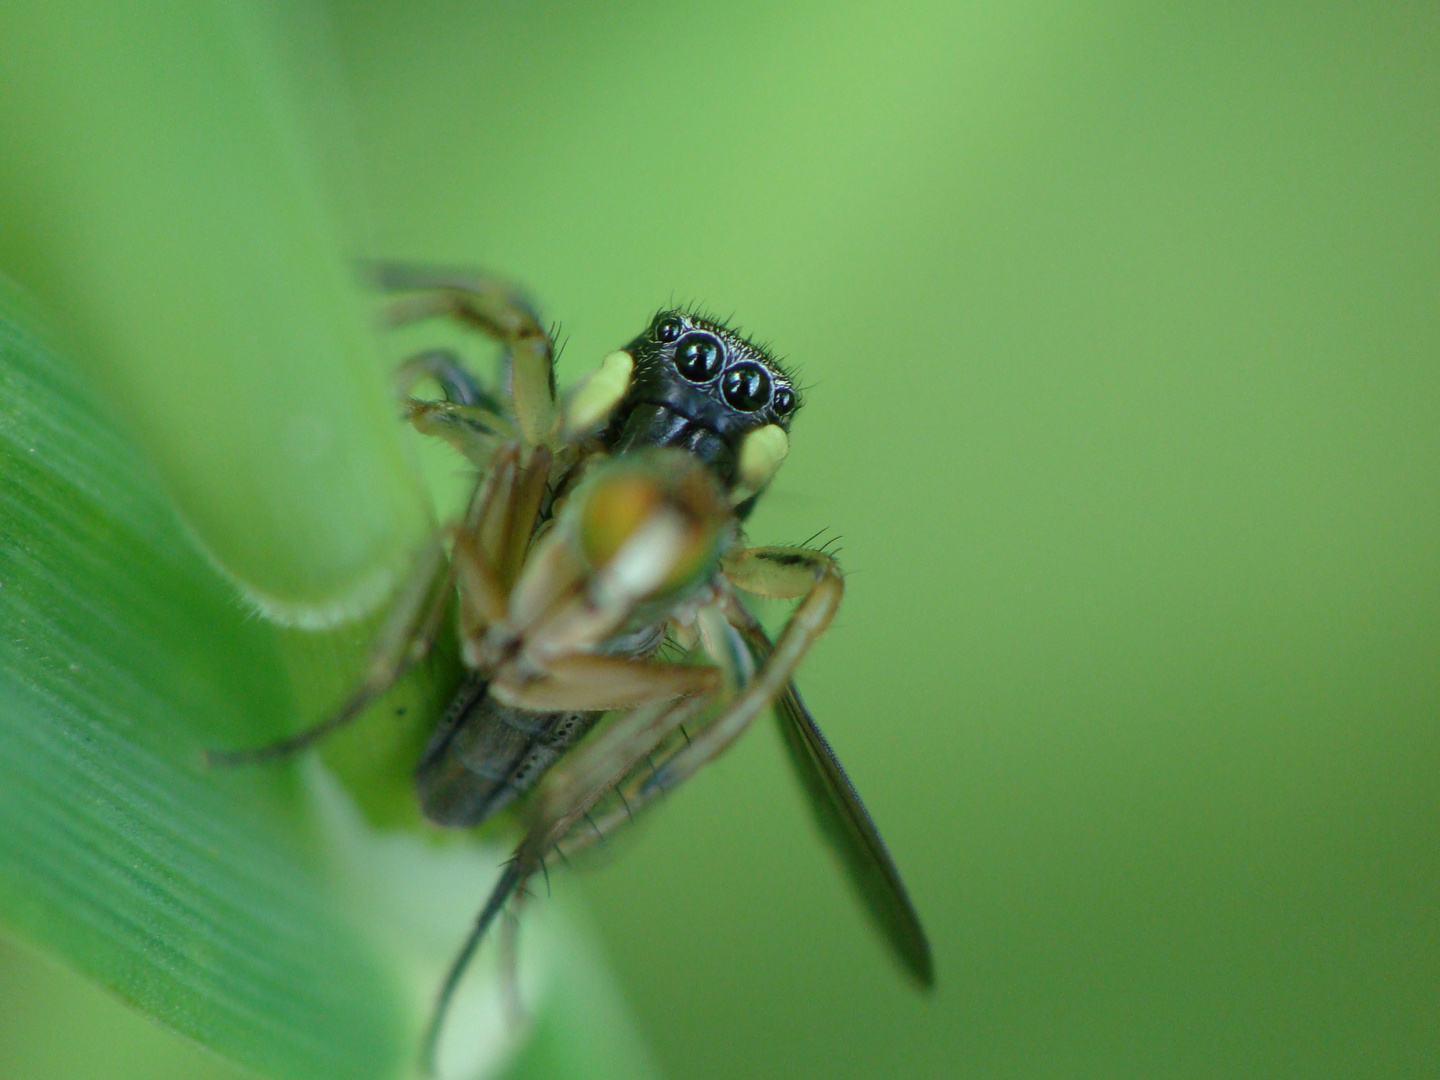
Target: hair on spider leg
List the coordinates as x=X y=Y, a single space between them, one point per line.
x=813 y=536
x=670 y=649
x=598 y=833
x=824 y=547
x=559 y=344
x=522 y=892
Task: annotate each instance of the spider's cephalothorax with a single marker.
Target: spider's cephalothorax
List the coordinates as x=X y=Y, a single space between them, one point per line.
x=602 y=528
x=699 y=385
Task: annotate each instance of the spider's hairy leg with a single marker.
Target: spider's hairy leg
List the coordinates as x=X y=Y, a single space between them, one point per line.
x=599 y=767
x=497 y=310
x=781 y=573
x=531 y=485
x=407 y=636
x=725 y=645
x=586 y=682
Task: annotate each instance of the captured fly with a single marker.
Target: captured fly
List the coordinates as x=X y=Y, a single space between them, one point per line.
x=603 y=527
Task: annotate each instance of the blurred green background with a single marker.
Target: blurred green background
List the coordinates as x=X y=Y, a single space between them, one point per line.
x=1122 y=328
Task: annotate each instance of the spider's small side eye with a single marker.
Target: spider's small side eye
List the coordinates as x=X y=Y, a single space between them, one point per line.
x=668 y=329
x=784 y=401
x=699 y=357
x=746 y=387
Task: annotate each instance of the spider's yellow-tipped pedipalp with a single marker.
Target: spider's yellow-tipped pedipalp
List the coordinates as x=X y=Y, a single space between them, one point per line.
x=595 y=400
x=761 y=455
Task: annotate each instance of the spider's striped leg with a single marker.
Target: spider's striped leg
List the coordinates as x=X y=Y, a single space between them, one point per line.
x=784 y=573
x=733 y=660
x=408 y=635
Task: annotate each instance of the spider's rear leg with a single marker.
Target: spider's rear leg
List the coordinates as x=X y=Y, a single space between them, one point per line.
x=784 y=573
x=406 y=638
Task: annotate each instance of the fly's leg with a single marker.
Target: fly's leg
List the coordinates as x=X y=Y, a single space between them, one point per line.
x=510 y=961
x=784 y=573
x=512 y=878
x=404 y=641
x=500 y=312
x=415 y=621
x=566 y=797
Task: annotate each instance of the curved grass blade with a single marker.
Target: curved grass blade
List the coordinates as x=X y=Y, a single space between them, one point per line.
x=202 y=899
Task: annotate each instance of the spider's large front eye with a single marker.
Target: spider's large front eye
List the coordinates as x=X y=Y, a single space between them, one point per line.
x=668 y=329
x=746 y=387
x=699 y=357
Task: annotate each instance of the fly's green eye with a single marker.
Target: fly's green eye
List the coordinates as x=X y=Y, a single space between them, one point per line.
x=668 y=329
x=699 y=357
x=747 y=387
x=784 y=400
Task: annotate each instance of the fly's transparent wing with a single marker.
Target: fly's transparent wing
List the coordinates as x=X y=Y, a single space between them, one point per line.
x=846 y=823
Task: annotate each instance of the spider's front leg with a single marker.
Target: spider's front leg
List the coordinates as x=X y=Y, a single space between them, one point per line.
x=497 y=310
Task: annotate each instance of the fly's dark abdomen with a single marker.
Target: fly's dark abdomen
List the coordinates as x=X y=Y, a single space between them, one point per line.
x=485 y=753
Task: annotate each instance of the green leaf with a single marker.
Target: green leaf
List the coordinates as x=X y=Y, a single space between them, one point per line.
x=193 y=895
x=165 y=202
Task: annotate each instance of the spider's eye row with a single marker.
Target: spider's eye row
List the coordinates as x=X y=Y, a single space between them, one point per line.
x=784 y=400
x=699 y=357
x=668 y=329
x=746 y=387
